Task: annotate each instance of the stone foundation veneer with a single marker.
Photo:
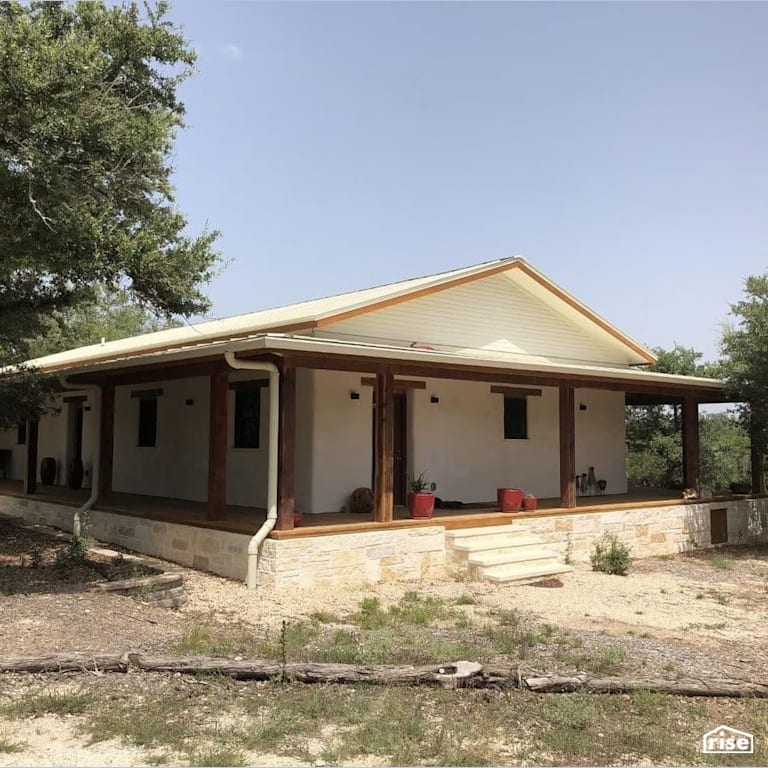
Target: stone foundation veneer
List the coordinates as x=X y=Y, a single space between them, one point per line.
x=365 y=557
x=409 y=553
x=651 y=531
x=220 y=552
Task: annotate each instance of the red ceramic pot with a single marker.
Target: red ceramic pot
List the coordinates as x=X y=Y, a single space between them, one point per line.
x=509 y=499
x=297 y=518
x=421 y=504
x=529 y=503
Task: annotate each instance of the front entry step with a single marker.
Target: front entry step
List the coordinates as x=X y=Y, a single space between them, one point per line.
x=502 y=554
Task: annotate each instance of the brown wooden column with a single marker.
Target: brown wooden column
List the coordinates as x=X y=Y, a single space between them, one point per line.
x=106 y=440
x=217 y=447
x=691 y=471
x=30 y=470
x=385 y=440
x=567 y=448
x=758 y=463
x=286 y=503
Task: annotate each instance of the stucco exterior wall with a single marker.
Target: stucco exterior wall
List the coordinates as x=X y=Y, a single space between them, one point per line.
x=177 y=466
x=54 y=436
x=458 y=442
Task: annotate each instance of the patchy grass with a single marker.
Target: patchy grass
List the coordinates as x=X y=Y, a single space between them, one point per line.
x=599 y=660
x=7 y=746
x=228 y=723
x=721 y=561
x=51 y=703
x=465 y=600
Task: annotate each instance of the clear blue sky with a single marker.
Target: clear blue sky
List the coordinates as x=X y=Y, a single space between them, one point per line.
x=621 y=148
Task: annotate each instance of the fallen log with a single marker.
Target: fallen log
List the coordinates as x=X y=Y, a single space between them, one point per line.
x=450 y=675
x=680 y=687
x=78 y=662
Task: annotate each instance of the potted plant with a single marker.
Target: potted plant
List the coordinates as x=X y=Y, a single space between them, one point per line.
x=509 y=499
x=529 y=502
x=421 y=501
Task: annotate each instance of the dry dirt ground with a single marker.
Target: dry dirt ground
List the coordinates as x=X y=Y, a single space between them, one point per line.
x=702 y=614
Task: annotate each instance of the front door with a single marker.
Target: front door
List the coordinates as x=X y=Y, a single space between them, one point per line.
x=400 y=443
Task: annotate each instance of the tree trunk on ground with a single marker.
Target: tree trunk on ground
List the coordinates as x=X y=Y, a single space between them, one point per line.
x=450 y=675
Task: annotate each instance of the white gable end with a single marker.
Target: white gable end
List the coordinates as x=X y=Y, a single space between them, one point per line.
x=494 y=314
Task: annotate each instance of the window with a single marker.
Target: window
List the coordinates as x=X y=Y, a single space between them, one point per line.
x=515 y=418
x=21 y=433
x=247 y=417
x=147 y=422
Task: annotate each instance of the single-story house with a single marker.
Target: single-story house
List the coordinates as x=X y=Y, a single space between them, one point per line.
x=199 y=443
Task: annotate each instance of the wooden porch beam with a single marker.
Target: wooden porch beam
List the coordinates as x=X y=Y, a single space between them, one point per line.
x=385 y=441
x=30 y=469
x=514 y=391
x=757 y=462
x=106 y=441
x=691 y=469
x=217 y=448
x=567 y=419
x=399 y=385
x=287 y=453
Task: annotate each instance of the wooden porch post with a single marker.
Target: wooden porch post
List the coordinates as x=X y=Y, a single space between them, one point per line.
x=30 y=470
x=385 y=440
x=106 y=440
x=757 y=462
x=567 y=448
x=287 y=453
x=691 y=471
x=217 y=447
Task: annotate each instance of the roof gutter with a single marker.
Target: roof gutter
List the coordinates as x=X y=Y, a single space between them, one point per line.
x=254 y=545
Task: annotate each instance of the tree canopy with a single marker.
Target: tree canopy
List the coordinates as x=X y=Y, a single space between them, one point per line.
x=89 y=112
x=88 y=116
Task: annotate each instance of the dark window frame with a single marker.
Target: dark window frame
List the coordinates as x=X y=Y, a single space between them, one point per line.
x=147 y=422
x=515 y=418
x=247 y=417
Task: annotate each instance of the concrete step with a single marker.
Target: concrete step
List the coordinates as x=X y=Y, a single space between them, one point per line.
x=488 y=557
x=498 y=541
x=502 y=574
x=485 y=530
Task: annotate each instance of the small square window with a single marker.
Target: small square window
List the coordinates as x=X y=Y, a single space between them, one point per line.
x=247 y=418
x=21 y=433
x=515 y=418
x=147 y=422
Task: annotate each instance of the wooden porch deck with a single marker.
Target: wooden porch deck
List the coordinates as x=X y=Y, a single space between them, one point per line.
x=248 y=520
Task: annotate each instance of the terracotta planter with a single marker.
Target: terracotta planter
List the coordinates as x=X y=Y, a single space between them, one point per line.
x=510 y=499
x=421 y=504
x=529 y=503
x=48 y=470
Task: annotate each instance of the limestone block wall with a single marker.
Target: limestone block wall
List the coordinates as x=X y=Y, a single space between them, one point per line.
x=220 y=552
x=651 y=531
x=365 y=557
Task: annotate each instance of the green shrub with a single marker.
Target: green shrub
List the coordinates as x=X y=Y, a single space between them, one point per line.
x=609 y=555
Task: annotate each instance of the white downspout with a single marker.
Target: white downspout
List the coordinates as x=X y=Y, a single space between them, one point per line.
x=274 y=424
x=96 y=389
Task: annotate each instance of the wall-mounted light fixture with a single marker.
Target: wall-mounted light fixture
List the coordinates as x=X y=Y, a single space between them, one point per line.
x=434 y=399
x=189 y=402
x=87 y=408
x=354 y=395
x=582 y=406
